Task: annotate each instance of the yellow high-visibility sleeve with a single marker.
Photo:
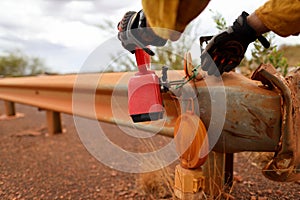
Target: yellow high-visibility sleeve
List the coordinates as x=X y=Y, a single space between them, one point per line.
x=171 y=15
x=281 y=16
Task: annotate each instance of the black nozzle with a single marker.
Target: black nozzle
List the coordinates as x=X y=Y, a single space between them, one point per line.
x=147 y=117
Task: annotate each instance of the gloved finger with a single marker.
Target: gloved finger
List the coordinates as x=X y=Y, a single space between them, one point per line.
x=217 y=60
x=130 y=47
x=206 y=61
x=230 y=67
x=148 y=51
x=220 y=61
x=209 y=64
x=122 y=36
x=218 y=72
x=213 y=68
x=119 y=36
x=234 y=58
x=119 y=26
x=221 y=64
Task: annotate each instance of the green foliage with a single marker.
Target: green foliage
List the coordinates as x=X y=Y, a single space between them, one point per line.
x=172 y=53
x=122 y=63
x=108 y=26
x=16 y=63
x=219 y=20
x=271 y=55
x=277 y=59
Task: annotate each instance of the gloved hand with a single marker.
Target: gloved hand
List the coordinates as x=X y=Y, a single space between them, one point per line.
x=227 y=49
x=133 y=32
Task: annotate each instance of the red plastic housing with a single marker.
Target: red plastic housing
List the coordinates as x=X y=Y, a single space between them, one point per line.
x=144 y=97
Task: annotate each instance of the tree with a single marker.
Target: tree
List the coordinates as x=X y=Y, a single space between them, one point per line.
x=16 y=63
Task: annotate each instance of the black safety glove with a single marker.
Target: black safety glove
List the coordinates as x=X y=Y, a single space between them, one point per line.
x=133 y=32
x=227 y=49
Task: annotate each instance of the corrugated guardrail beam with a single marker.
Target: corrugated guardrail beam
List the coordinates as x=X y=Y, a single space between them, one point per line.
x=252 y=121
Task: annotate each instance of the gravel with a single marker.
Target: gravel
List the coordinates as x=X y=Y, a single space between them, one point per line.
x=34 y=165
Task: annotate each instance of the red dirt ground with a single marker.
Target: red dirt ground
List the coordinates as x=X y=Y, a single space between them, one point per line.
x=37 y=166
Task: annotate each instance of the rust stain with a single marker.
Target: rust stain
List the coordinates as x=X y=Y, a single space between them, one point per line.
x=260 y=125
x=242 y=135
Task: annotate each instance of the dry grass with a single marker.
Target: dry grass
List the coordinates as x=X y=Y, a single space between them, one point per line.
x=292 y=53
x=258 y=159
x=158 y=184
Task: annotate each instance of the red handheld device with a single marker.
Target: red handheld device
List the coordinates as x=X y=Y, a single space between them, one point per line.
x=144 y=97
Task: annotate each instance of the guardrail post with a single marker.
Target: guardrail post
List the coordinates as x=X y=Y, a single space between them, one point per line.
x=54 y=122
x=214 y=172
x=10 y=108
x=229 y=169
x=218 y=172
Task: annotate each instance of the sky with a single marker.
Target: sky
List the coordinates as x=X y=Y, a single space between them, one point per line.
x=64 y=32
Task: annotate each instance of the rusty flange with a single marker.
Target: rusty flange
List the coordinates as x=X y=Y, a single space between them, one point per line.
x=285 y=166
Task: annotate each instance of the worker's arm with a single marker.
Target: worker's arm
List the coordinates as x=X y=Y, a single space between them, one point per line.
x=134 y=32
x=159 y=21
x=281 y=17
x=226 y=50
x=170 y=17
x=167 y=19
